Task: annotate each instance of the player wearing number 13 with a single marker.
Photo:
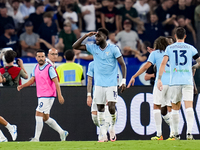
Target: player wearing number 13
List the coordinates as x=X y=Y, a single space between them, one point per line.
x=180 y=56
x=46 y=84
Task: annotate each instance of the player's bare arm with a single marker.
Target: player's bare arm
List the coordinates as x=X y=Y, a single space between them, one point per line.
x=89 y=91
x=197 y=65
x=60 y=97
x=78 y=45
x=123 y=67
x=161 y=70
x=30 y=82
x=139 y=72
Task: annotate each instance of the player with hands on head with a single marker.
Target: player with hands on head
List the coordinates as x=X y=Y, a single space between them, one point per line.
x=106 y=59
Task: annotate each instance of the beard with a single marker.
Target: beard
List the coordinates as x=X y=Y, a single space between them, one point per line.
x=99 y=43
x=41 y=62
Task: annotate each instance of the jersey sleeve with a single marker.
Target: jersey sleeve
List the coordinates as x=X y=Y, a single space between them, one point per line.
x=52 y=72
x=117 y=52
x=33 y=72
x=89 y=48
x=151 y=58
x=91 y=69
x=166 y=52
x=194 y=51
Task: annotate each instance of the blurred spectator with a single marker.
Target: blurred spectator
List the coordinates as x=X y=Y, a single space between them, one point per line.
x=197 y=25
x=51 y=5
x=143 y=9
x=47 y=31
x=37 y=17
x=70 y=73
x=15 y=72
x=162 y=10
x=73 y=18
x=29 y=41
x=120 y=4
x=110 y=17
x=127 y=38
x=88 y=13
x=181 y=9
x=66 y=36
x=128 y=12
x=190 y=32
x=153 y=4
x=163 y=13
x=111 y=39
x=4 y=19
x=9 y=38
x=153 y=30
x=16 y=14
x=26 y=9
x=191 y=7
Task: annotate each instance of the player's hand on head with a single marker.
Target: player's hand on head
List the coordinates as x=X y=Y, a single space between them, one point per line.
x=61 y=99
x=91 y=33
x=89 y=101
x=131 y=82
x=159 y=85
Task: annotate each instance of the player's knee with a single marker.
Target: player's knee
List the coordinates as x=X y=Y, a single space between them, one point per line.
x=100 y=108
x=164 y=110
x=112 y=110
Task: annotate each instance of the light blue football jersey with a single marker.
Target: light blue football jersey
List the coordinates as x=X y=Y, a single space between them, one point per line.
x=156 y=57
x=105 y=64
x=90 y=71
x=180 y=60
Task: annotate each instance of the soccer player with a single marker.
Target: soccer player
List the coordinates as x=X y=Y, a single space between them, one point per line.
x=159 y=98
x=11 y=128
x=180 y=56
x=46 y=84
x=106 y=58
x=91 y=104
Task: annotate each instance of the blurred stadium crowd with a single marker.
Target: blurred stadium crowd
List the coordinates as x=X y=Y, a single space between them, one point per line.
x=29 y=25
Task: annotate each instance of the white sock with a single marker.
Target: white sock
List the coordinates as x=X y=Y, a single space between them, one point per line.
x=113 y=121
x=38 y=126
x=101 y=120
x=175 y=121
x=54 y=125
x=9 y=127
x=2 y=136
x=158 y=121
x=189 y=119
x=167 y=118
x=95 y=120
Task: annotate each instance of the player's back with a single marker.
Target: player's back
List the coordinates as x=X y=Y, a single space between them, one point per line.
x=156 y=57
x=180 y=60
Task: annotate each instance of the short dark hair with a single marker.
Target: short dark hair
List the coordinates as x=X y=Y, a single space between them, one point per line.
x=40 y=51
x=180 y=32
x=104 y=31
x=48 y=15
x=69 y=55
x=10 y=56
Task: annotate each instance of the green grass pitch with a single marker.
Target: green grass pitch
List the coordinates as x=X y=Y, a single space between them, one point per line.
x=93 y=145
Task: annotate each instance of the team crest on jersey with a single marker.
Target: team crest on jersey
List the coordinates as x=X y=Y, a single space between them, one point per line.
x=107 y=53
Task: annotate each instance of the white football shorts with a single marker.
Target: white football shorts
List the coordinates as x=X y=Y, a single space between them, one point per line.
x=104 y=94
x=180 y=92
x=45 y=104
x=163 y=97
